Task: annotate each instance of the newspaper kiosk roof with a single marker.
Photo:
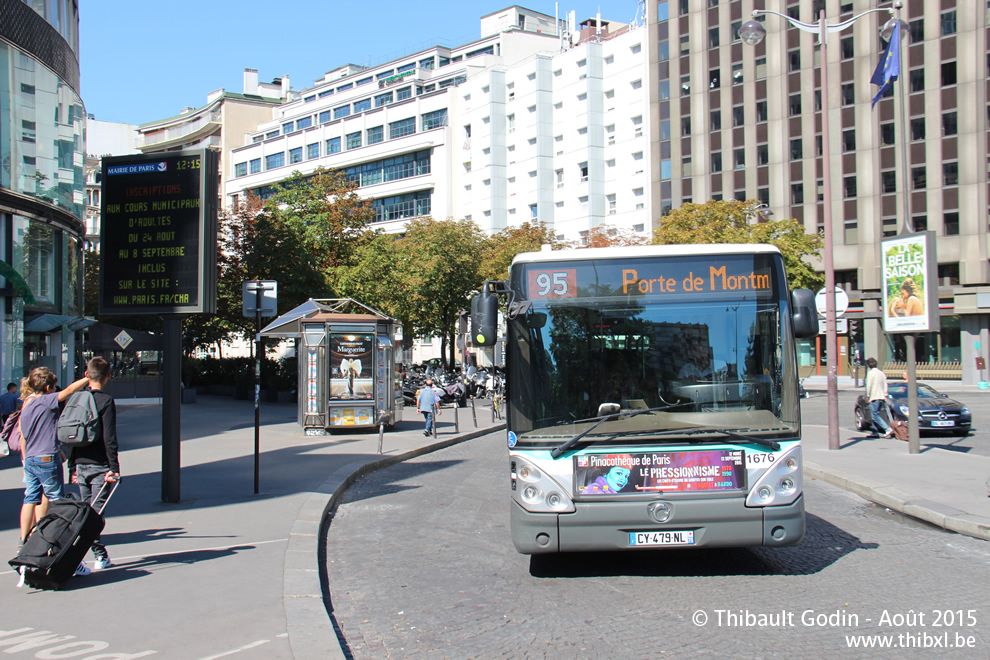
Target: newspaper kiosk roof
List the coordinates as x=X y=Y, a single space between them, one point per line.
x=289 y=325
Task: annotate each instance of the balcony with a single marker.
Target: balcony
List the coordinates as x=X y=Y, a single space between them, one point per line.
x=180 y=133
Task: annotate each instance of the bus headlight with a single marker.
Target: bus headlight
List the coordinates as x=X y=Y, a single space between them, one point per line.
x=781 y=483
x=537 y=492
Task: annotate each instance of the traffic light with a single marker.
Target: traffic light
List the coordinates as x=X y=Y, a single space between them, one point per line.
x=484 y=317
x=853 y=327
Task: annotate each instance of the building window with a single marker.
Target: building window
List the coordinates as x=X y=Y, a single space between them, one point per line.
x=401 y=128
x=312 y=151
x=888 y=182
x=918 y=181
x=950 y=174
x=686 y=166
x=849 y=139
x=848 y=94
x=949 y=123
x=362 y=106
x=920 y=223
x=761 y=111
x=948 y=74
x=849 y=186
x=713 y=79
x=794 y=104
x=287 y=128
x=685 y=126
x=797 y=193
x=325 y=116
x=404 y=93
x=846 y=48
x=255 y=165
x=737 y=74
x=713 y=37
x=274 y=160
x=761 y=68
x=794 y=60
x=240 y=169
x=383 y=99
x=354 y=140
x=918 y=128
x=916 y=30
x=716 y=120
x=762 y=154
x=341 y=112
x=948 y=23
x=739 y=157
x=738 y=116
x=950 y=223
x=305 y=122
x=434 y=119
x=887 y=133
x=583 y=169
x=717 y=161
x=797 y=149
x=916 y=78
x=295 y=155
x=333 y=145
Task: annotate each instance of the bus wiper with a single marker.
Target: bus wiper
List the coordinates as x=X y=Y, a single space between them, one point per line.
x=766 y=442
x=558 y=451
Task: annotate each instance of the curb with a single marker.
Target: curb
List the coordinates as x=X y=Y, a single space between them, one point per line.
x=306 y=613
x=898 y=500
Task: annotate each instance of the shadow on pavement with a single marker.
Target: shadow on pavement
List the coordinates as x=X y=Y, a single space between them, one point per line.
x=397 y=473
x=823 y=545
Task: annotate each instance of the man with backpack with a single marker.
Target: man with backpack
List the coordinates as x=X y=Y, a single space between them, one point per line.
x=95 y=463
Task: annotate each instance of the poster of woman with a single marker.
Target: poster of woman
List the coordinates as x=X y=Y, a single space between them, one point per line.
x=907 y=291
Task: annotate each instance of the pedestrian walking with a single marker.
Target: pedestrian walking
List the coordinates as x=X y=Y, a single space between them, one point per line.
x=9 y=402
x=876 y=393
x=95 y=467
x=39 y=444
x=427 y=402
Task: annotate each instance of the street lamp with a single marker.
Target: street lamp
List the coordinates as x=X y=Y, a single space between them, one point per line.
x=752 y=32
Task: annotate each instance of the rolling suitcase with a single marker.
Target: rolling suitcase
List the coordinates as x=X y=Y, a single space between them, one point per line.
x=59 y=542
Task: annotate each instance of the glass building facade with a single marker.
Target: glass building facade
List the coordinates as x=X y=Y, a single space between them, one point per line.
x=42 y=188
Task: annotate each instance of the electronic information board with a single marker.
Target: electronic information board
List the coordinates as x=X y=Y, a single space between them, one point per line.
x=158 y=239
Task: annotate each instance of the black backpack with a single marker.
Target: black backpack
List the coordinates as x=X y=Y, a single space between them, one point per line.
x=80 y=425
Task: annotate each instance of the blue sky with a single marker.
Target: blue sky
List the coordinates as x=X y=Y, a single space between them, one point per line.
x=142 y=61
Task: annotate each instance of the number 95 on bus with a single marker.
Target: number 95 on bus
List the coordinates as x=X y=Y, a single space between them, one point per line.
x=553 y=283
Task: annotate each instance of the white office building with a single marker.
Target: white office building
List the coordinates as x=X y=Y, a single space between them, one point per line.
x=527 y=122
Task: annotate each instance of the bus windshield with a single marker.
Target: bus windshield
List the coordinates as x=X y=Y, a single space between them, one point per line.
x=706 y=360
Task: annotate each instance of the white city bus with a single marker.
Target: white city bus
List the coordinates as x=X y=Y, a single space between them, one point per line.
x=652 y=397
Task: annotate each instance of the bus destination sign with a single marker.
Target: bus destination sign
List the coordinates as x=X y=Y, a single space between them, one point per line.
x=158 y=233
x=731 y=275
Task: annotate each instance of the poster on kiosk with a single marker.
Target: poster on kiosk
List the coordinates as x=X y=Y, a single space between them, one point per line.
x=351 y=366
x=910 y=283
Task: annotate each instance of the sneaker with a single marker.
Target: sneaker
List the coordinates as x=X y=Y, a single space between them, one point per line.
x=889 y=434
x=102 y=564
x=82 y=569
x=21 y=570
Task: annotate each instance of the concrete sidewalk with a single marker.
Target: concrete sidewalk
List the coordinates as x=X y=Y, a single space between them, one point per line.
x=224 y=571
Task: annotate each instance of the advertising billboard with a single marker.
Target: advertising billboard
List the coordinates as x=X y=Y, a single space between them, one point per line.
x=910 y=284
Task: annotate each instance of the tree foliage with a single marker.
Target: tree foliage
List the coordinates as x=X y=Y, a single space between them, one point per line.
x=439 y=270
x=501 y=248
x=728 y=221
x=610 y=236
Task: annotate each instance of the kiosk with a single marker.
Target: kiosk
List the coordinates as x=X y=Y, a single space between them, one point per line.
x=347 y=364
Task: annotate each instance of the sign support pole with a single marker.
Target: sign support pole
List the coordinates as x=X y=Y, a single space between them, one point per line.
x=257 y=386
x=171 y=408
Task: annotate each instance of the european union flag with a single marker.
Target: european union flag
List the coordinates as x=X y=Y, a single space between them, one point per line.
x=890 y=66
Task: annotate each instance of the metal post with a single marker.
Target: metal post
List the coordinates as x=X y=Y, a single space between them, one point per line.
x=831 y=341
x=381 y=436
x=474 y=414
x=171 y=408
x=457 y=418
x=257 y=388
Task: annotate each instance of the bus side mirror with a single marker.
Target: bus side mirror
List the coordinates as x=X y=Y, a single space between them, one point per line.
x=484 y=317
x=804 y=315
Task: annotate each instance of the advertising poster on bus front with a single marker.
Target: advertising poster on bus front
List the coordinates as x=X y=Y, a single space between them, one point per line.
x=351 y=375
x=659 y=472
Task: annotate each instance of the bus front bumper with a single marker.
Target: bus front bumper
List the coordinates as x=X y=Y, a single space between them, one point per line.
x=715 y=523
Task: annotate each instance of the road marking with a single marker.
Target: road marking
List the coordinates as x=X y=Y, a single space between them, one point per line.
x=243 y=648
x=182 y=552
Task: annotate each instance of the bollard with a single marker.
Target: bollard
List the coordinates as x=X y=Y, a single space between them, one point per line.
x=457 y=418
x=381 y=437
x=436 y=415
x=474 y=414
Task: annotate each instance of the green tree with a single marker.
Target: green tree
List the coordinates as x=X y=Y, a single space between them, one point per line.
x=438 y=269
x=374 y=275
x=728 y=221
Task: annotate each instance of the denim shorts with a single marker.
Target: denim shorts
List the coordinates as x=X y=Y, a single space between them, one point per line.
x=43 y=475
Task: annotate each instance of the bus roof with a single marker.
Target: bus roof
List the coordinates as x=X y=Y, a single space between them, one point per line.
x=591 y=254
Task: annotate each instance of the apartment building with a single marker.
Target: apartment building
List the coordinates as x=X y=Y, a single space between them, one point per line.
x=103 y=138
x=537 y=119
x=746 y=122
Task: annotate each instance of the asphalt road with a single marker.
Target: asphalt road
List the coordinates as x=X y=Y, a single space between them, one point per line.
x=814 y=409
x=420 y=563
